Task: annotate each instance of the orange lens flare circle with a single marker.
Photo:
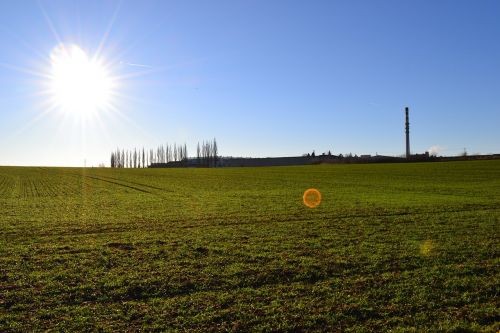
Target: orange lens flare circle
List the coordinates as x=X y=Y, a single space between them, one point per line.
x=312 y=198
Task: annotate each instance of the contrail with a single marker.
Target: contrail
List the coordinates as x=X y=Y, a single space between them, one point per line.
x=135 y=65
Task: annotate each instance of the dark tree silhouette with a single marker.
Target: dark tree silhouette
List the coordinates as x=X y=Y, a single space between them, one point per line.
x=215 y=151
x=198 y=154
x=206 y=155
x=143 y=158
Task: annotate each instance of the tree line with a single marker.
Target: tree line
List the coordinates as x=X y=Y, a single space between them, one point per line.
x=206 y=155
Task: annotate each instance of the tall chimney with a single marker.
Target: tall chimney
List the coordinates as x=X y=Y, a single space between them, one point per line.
x=407 y=126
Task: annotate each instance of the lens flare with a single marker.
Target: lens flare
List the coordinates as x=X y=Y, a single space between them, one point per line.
x=426 y=248
x=312 y=198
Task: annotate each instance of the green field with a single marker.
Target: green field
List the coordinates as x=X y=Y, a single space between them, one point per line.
x=408 y=247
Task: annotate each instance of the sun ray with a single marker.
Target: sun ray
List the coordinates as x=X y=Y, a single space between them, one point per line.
x=105 y=36
x=22 y=42
x=131 y=45
x=31 y=123
x=49 y=22
x=25 y=70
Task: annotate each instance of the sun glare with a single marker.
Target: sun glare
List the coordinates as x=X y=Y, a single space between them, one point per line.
x=78 y=84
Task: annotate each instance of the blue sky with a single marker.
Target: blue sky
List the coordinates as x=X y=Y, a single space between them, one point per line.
x=266 y=78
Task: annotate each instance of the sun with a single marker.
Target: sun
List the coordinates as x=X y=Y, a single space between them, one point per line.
x=78 y=84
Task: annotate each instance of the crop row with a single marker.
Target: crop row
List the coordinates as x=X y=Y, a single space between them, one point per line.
x=47 y=183
x=7 y=186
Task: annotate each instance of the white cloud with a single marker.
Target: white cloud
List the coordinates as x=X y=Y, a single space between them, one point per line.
x=435 y=150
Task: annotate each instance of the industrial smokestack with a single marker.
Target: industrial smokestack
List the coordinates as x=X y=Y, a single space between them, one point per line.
x=407 y=126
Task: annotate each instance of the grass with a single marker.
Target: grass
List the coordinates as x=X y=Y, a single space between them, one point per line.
x=402 y=247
